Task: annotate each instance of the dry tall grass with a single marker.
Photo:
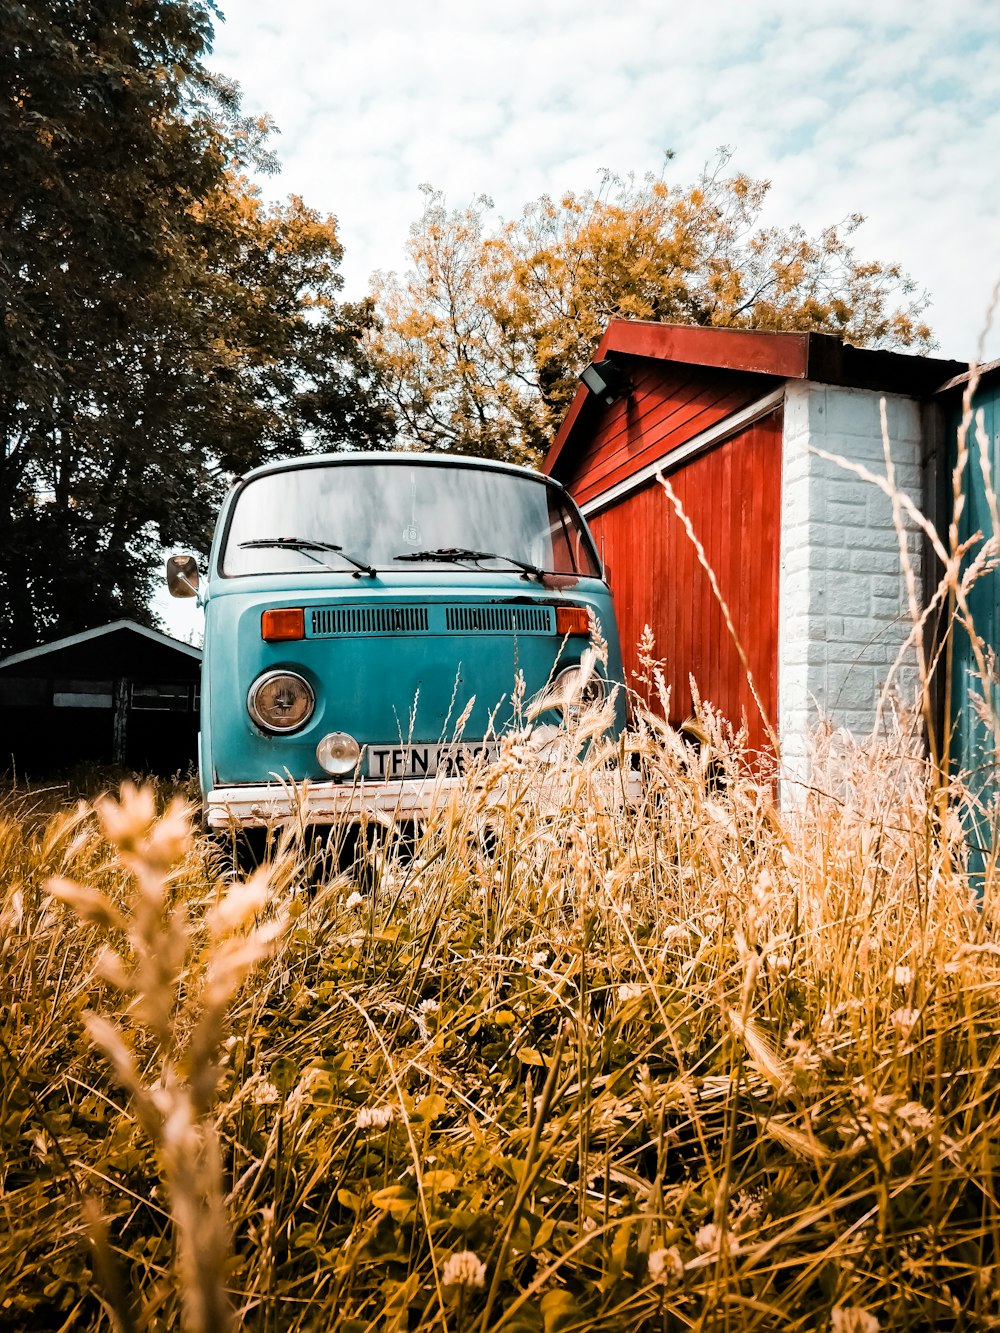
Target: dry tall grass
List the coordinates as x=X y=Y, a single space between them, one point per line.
x=697 y=1065
x=703 y=1063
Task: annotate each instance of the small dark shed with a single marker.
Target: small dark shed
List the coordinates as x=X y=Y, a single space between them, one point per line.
x=120 y=694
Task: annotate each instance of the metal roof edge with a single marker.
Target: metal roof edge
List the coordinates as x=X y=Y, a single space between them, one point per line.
x=876 y=370
x=988 y=370
x=71 y=640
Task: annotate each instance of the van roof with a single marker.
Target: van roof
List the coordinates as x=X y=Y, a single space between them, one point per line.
x=392 y=456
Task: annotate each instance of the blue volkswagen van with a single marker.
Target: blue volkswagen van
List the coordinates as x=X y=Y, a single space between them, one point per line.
x=366 y=619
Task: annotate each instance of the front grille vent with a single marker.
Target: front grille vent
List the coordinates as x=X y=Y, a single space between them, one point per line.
x=332 y=621
x=498 y=620
x=341 y=622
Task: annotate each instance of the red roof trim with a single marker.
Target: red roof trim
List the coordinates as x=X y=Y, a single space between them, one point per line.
x=814 y=356
x=785 y=355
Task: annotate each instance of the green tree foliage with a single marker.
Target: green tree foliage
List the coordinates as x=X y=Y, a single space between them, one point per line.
x=484 y=337
x=162 y=327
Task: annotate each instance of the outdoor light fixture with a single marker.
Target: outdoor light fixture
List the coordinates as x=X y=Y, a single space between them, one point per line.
x=607 y=381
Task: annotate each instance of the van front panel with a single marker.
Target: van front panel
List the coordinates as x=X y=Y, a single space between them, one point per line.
x=391 y=661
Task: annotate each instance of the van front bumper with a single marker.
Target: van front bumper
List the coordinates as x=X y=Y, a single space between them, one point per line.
x=260 y=806
x=266 y=804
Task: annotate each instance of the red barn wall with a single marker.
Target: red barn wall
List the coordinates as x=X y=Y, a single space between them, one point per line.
x=670 y=404
x=732 y=495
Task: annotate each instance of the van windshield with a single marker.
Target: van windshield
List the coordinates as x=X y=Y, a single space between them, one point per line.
x=403 y=517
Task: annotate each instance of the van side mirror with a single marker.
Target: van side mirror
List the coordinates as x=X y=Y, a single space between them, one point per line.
x=182 y=576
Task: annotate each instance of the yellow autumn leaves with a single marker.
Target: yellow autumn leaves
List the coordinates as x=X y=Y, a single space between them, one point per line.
x=482 y=339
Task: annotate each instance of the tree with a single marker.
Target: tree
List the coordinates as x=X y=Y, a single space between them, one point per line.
x=163 y=328
x=483 y=339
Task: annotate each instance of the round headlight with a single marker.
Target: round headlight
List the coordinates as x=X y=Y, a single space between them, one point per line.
x=338 y=753
x=281 y=701
x=575 y=689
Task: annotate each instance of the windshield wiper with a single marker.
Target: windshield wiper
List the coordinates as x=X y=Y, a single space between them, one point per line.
x=457 y=554
x=305 y=546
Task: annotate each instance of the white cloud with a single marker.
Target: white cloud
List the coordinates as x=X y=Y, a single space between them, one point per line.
x=876 y=106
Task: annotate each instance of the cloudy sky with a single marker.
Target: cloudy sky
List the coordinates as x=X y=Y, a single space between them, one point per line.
x=886 y=107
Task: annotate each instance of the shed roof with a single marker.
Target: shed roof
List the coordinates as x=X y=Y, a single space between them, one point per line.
x=123 y=647
x=806 y=356
x=988 y=372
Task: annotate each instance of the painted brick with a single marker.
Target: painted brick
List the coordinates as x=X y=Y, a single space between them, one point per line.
x=845 y=598
x=861 y=630
x=875 y=562
x=858 y=412
x=842 y=602
x=887 y=585
x=870 y=538
x=848 y=510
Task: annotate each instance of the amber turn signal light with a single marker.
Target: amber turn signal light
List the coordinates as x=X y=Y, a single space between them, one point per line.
x=286 y=622
x=572 y=620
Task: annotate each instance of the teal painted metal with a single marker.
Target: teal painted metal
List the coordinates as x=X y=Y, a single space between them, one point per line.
x=973 y=750
x=393 y=659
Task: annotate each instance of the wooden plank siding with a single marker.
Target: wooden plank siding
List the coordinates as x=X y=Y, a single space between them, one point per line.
x=670 y=404
x=732 y=495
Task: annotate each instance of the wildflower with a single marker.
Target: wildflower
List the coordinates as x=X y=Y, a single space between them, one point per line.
x=707 y=1238
x=903 y=975
x=540 y=958
x=710 y=1238
x=428 y=1007
x=628 y=992
x=666 y=1267
x=355 y=900
x=463 y=1269
x=711 y=921
x=904 y=1021
x=745 y=1208
x=374 y=1117
x=916 y=1117
x=265 y=1093
x=676 y=934
x=852 y=1319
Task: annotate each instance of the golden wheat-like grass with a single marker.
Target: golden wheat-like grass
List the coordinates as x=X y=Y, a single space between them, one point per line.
x=698 y=1063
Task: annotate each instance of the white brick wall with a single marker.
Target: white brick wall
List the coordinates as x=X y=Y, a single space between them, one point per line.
x=842 y=612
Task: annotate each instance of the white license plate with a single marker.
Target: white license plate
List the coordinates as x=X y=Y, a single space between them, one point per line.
x=389 y=763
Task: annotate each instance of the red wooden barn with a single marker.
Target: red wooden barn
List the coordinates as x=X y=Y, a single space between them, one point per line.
x=805 y=552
